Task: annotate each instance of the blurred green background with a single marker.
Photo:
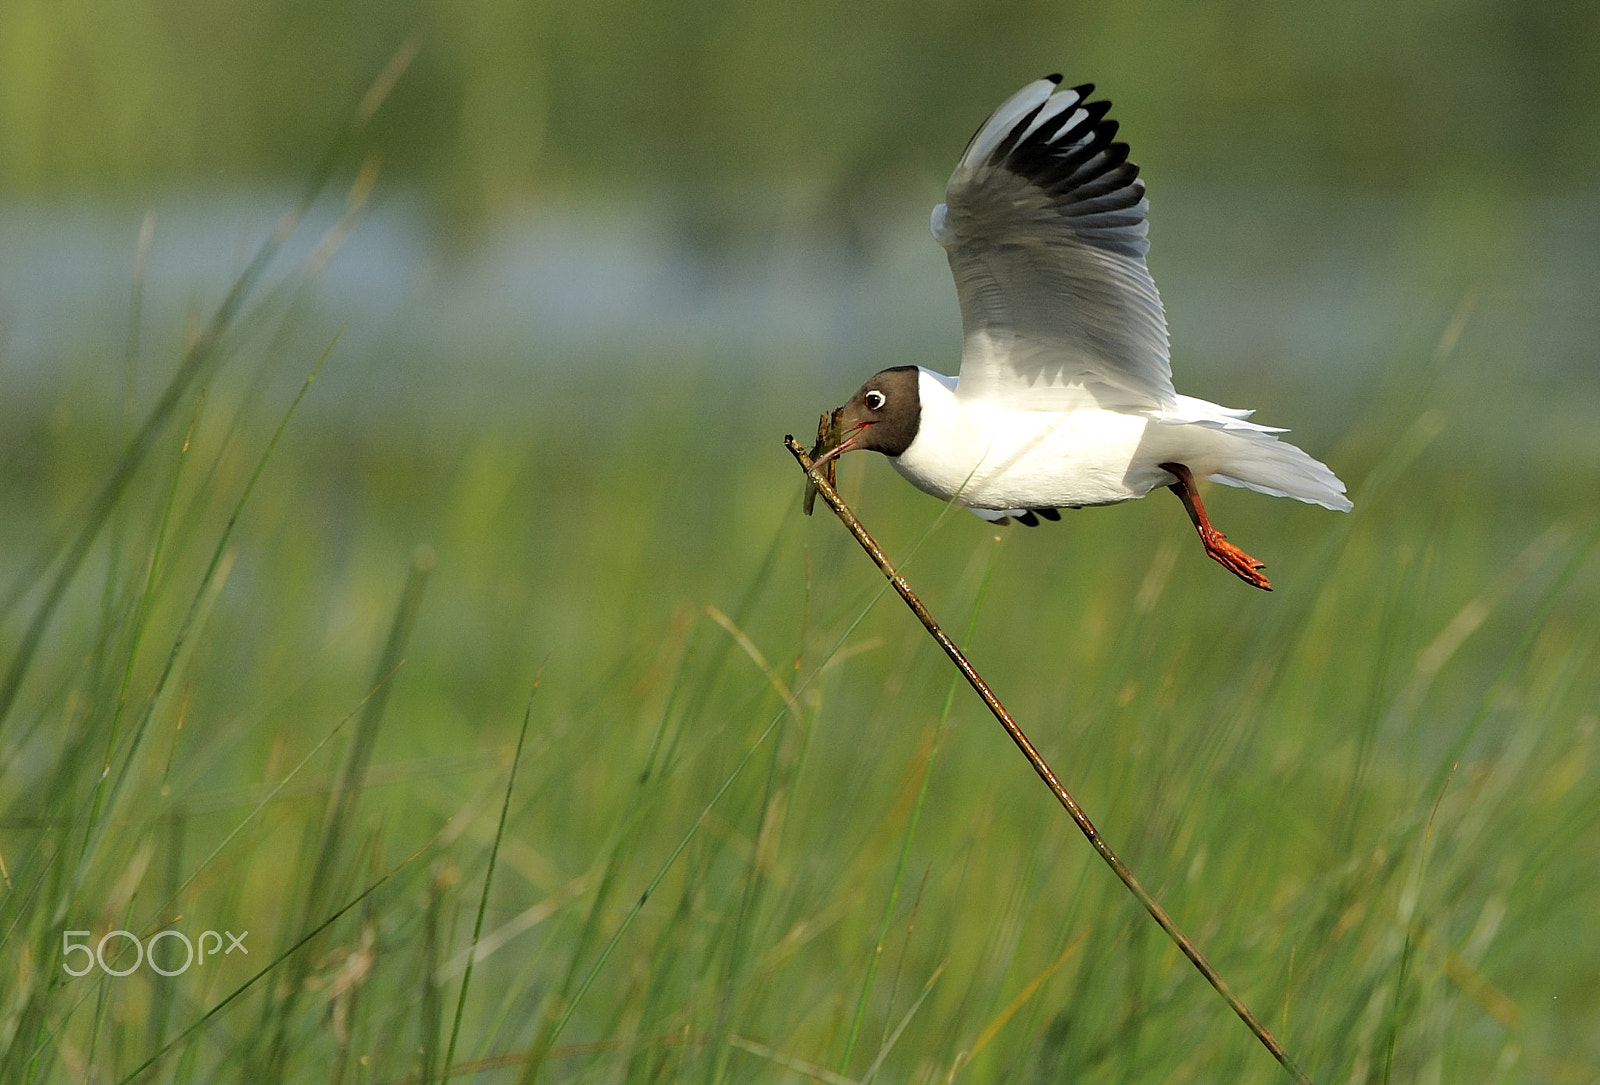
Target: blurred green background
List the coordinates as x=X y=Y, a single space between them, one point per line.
x=574 y=279
x=510 y=101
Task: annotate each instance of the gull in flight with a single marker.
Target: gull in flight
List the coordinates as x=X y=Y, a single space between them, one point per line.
x=1065 y=395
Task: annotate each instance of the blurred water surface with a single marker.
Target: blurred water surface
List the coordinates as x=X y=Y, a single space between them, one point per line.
x=1273 y=296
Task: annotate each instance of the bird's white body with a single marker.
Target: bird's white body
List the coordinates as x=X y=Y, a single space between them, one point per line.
x=1065 y=397
x=1001 y=461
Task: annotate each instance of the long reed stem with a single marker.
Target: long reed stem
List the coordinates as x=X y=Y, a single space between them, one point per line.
x=975 y=680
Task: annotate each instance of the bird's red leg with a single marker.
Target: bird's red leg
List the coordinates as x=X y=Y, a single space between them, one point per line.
x=1229 y=556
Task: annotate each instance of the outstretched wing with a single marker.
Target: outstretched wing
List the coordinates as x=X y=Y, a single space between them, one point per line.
x=1044 y=224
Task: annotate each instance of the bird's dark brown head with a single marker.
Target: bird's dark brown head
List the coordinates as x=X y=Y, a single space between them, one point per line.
x=883 y=415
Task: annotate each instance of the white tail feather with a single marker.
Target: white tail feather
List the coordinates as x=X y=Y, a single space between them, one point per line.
x=1259 y=461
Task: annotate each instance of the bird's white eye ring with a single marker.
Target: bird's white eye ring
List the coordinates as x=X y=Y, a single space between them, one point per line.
x=875 y=400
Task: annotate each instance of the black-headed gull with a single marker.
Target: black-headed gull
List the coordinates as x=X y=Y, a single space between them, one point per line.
x=1065 y=397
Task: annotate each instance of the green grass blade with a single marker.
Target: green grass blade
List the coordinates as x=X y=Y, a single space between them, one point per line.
x=488 y=881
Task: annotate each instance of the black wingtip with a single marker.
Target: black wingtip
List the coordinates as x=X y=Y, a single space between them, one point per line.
x=1054 y=77
x=1074 y=158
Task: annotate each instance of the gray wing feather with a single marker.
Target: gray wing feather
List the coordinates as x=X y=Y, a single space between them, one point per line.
x=1044 y=225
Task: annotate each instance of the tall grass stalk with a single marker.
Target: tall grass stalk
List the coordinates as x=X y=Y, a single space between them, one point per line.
x=488 y=882
x=202 y=590
x=331 y=855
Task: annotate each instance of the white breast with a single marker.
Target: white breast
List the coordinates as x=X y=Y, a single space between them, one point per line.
x=990 y=457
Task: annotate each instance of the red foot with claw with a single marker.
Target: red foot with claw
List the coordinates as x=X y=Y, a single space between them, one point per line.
x=1223 y=552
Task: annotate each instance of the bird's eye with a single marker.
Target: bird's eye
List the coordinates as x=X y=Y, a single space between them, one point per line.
x=875 y=400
